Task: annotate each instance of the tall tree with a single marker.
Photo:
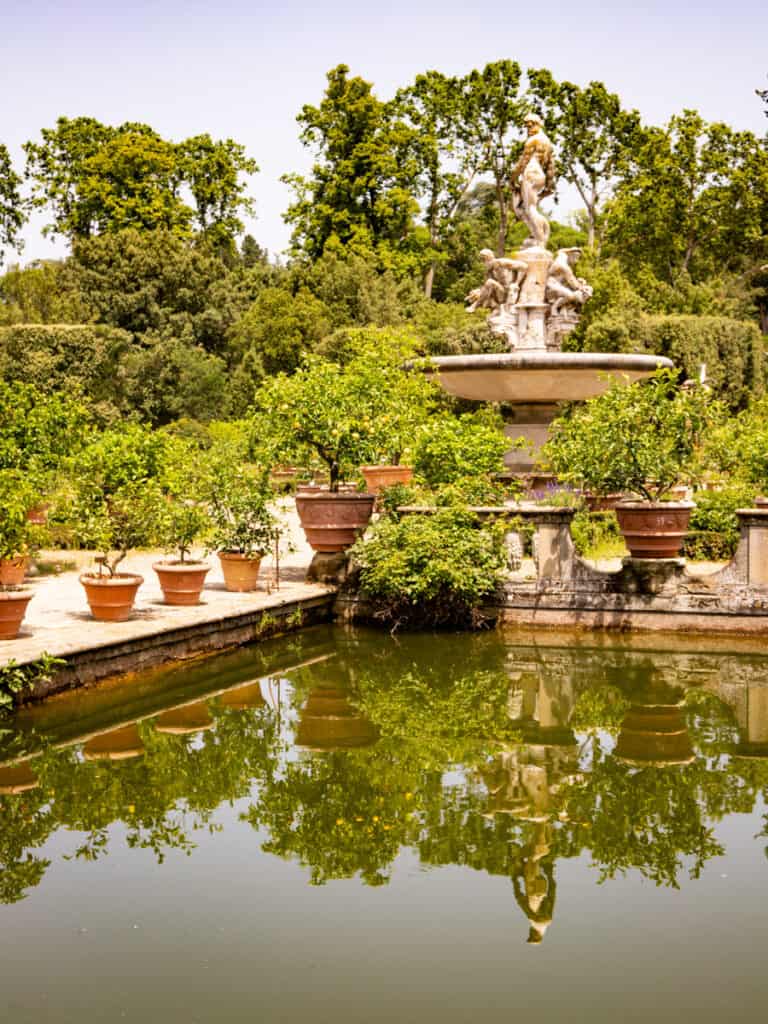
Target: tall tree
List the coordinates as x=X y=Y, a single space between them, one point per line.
x=12 y=216
x=693 y=199
x=360 y=192
x=593 y=134
x=492 y=111
x=433 y=107
x=98 y=179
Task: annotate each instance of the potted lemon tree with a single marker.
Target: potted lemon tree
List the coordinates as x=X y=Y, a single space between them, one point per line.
x=244 y=527
x=643 y=441
x=15 y=530
x=345 y=416
x=115 y=524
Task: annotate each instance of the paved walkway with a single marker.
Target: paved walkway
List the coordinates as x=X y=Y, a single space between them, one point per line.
x=58 y=619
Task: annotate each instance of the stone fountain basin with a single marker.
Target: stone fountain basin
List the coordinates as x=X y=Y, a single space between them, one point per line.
x=540 y=376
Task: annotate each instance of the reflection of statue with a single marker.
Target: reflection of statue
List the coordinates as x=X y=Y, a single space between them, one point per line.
x=564 y=289
x=502 y=283
x=533 y=177
x=534 y=884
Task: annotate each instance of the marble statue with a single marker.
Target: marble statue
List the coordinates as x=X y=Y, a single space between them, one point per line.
x=502 y=283
x=533 y=177
x=534 y=297
x=564 y=289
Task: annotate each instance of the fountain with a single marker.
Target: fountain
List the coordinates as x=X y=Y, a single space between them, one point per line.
x=535 y=301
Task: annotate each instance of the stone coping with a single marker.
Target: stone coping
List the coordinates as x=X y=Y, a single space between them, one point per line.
x=548 y=361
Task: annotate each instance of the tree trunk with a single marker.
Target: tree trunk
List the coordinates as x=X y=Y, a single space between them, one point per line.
x=429 y=279
x=501 y=243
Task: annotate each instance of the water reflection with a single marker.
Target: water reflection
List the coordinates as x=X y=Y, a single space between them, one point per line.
x=497 y=758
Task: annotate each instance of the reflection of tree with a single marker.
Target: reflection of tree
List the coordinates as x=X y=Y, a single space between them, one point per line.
x=26 y=821
x=161 y=797
x=445 y=773
x=340 y=813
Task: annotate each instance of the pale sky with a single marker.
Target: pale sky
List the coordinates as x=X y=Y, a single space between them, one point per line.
x=244 y=69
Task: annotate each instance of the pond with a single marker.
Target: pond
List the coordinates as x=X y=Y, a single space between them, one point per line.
x=346 y=826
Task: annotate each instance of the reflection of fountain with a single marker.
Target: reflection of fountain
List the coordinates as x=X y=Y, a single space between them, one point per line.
x=535 y=301
x=535 y=886
x=17 y=778
x=540 y=704
x=185 y=720
x=117 y=745
x=329 y=722
x=242 y=698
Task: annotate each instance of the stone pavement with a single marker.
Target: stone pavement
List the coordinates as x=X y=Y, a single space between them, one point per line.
x=59 y=622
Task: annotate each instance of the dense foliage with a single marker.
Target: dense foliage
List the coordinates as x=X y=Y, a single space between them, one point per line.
x=639 y=440
x=174 y=320
x=431 y=570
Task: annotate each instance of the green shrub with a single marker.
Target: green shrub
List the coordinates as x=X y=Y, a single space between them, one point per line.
x=38 y=429
x=714 y=527
x=449 y=448
x=595 y=533
x=739 y=448
x=66 y=358
x=434 y=570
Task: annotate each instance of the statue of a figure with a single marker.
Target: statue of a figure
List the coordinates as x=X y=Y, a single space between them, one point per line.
x=502 y=283
x=533 y=177
x=564 y=289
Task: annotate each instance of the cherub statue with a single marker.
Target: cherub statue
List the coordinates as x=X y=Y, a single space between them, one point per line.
x=533 y=177
x=502 y=283
x=563 y=287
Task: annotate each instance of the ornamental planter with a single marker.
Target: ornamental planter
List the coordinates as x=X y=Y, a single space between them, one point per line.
x=38 y=515
x=181 y=582
x=241 y=572
x=332 y=522
x=13 y=605
x=654 y=529
x=13 y=570
x=111 y=598
x=379 y=477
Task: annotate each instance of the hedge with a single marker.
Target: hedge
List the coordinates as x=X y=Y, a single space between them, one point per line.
x=731 y=349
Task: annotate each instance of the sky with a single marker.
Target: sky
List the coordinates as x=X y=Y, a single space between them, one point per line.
x=243 y=70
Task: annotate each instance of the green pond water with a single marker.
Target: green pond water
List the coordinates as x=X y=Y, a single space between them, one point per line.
x=344 y=826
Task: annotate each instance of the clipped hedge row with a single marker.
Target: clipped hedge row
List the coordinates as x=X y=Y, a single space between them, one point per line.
x=731 y=349
x=64 y=357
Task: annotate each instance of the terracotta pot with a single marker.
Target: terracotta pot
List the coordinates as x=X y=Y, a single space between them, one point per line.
x=332 y=522
x=181 y=582
x=13 y=605
x=654 y=734
x=241 y=572
x=654 y=529
x=188 y=719
x=13 y=570
x=38 y=515
x=602 y=503
x=761 y=502
x=379 y=477
x=111 y=597
x=115 y=745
